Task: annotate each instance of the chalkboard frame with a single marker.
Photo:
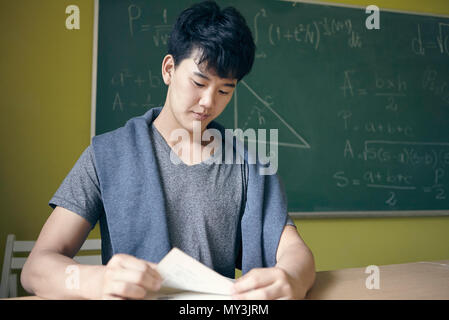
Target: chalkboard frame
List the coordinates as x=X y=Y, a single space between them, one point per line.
x=368 y=214
x=297 y=215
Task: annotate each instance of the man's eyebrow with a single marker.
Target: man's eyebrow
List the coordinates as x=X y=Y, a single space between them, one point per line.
x=202 y=75
x=229 y=85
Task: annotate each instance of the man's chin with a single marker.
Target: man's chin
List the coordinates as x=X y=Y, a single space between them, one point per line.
x=195 y=125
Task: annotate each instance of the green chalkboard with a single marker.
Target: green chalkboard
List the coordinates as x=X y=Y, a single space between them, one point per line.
x=362 y=115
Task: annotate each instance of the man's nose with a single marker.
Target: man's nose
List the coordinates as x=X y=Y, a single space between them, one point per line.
x=207 y=99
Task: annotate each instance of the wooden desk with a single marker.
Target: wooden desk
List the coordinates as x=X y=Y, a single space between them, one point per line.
x=410 y=281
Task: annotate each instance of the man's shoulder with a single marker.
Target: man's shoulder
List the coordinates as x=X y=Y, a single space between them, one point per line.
x=128 y=130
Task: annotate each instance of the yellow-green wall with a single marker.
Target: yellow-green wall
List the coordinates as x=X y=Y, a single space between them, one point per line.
x=45 y=86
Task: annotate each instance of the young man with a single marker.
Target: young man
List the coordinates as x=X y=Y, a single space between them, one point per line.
x=224 y=215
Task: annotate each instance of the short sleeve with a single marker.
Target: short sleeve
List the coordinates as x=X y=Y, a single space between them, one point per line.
x=80 y=190
x=289 y=221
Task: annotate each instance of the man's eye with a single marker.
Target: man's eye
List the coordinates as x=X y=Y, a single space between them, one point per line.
x=223 y=92
x=198 y=84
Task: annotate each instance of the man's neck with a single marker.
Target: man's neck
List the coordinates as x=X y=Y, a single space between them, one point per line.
x=166 y=123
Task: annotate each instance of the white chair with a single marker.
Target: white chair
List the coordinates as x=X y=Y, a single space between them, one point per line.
x=8 y=285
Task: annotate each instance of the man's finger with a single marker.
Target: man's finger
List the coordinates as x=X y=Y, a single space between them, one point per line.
x=146 y=280
x=254 y=279
x=263 y=293
x=153 y=267
x=125 y=290
x=130 y=262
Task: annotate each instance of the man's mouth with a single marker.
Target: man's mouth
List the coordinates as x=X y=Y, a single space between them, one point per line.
x=200 y=116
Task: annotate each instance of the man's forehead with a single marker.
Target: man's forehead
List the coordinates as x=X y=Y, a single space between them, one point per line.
x=203 y=68
x=204 y=71
x=191 y=66
x=210 y=73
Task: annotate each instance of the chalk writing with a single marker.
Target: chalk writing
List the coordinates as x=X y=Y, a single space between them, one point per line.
x=394 y=167
x=308 y=34
x=144 y=101
x=374 y=127
x=395 y=183
x=160 y=32
x=439 y=42
x=126 y=78
x=391 y=88
x=432 y=82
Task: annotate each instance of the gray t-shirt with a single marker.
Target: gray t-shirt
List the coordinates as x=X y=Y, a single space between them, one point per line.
x=204 y=204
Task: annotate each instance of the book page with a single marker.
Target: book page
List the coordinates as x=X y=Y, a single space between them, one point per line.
x=176 y=294
x=183 y=273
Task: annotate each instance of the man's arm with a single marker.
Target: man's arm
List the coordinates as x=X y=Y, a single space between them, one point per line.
x=295 y=258
x=291 y=278
x=44 y=272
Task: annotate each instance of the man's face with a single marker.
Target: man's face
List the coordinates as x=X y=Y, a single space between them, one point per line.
x=197 y=94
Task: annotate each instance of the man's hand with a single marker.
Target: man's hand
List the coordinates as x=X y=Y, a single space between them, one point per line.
x=127 y=277
x=291 y=277
x=268 y=284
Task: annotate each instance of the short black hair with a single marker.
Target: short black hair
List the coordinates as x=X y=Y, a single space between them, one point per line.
x=223 y=38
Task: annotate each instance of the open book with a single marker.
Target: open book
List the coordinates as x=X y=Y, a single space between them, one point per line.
x=188 y=279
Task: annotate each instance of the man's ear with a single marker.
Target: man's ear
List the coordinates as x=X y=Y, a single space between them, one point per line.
x=168 y=67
